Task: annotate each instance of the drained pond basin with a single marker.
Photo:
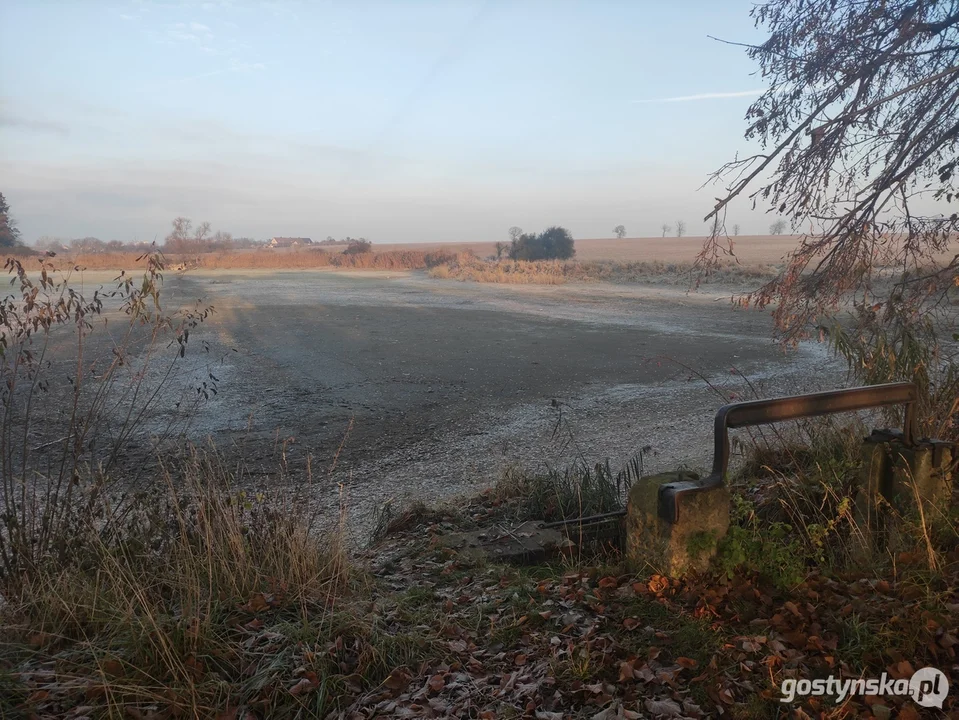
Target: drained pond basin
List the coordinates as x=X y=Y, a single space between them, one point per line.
x=424 y=389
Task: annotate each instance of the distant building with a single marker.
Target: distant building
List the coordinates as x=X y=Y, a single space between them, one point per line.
x=285 y=242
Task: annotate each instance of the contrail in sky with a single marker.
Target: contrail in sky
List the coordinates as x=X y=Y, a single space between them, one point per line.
x=704 y=96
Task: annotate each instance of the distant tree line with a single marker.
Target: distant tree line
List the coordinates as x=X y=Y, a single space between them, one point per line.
x=184 y=238
x=330 y=240
x=88 y=245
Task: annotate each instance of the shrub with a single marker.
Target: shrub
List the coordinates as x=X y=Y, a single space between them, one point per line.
x=554 y=243
x=894 y=343
x=85 y=422
x=358 y=247
x=772 y=549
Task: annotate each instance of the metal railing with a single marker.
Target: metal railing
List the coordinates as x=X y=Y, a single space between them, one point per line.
x=764 y=412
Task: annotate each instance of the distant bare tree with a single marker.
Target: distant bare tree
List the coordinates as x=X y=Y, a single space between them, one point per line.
x=717 y=227
x=778 y=227
x=500 y=249
x=735 y=230
x=87 y=244
x=180 y=240
x=50 y=242
x=666 y=228
x=514 y=233
x=222 y=241
x=680 y=228
x=181 y=228
x=620 y=231
x=202 y=230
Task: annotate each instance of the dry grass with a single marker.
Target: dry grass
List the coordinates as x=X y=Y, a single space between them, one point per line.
x=557 y=273
x=512 y=273
x=266 y=260
x=125 y=596
x=163 y=603
x=394 y=256
x=750 y=249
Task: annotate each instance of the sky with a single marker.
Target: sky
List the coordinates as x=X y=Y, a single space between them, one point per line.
x=402 y=121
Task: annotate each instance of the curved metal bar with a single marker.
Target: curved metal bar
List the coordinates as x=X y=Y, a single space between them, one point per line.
x=764 y=412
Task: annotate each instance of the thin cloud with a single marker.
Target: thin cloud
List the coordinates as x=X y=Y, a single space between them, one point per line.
x=8 y=120
x=235 y=67
x=705 y=96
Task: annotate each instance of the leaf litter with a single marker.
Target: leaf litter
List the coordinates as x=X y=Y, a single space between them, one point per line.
x=579 y=638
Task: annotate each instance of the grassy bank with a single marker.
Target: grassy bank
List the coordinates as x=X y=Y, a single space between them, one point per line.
x=265 y=259
x=159 y=607
x=558 y=272
x=440 y=263
x=584 y=636
x=225 y=603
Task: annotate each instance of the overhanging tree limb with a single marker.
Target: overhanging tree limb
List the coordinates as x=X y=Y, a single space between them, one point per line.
x=869 y=153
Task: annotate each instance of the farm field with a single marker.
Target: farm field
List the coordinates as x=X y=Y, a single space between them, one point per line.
x=758 y=249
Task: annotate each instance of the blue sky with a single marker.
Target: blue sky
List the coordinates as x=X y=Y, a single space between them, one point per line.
x=401 y=121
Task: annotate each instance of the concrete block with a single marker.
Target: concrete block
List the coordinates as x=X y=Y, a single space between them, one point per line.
x=921 y=487
x=893 y=477
x=674 y=549
x=869 y=510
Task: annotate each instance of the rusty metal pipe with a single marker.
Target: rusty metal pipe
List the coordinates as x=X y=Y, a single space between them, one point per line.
x=764 y=412
x=588 y=520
